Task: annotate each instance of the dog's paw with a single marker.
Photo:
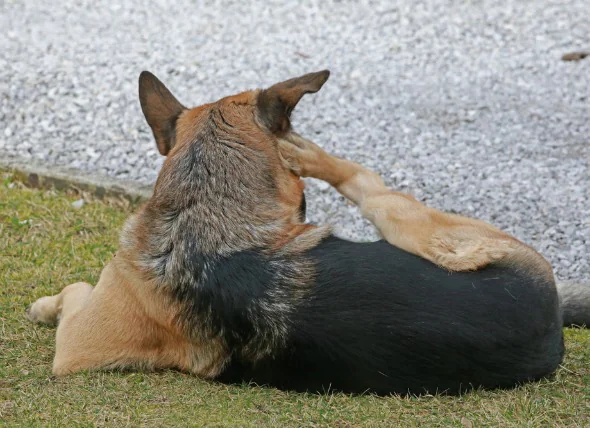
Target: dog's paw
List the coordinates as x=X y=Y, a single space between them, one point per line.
x=44 y=311
x=290 y=156
x=467 y=255
x=301 y=156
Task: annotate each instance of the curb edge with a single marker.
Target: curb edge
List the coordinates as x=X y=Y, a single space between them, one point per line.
x=34 y=174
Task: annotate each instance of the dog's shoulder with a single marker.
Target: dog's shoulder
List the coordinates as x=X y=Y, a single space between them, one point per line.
x=244 y=297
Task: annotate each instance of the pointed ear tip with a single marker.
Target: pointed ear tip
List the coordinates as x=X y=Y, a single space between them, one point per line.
x=146 y=76
x=321 y=77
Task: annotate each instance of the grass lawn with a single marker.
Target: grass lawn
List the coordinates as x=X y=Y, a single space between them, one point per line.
x=46 y=244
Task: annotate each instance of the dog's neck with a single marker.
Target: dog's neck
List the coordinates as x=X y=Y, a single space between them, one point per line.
x=199 y=208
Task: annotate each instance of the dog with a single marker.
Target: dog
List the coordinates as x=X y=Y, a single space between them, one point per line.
x=219 y=275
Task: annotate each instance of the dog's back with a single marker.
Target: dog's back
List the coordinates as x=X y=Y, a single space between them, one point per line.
x=382 y=320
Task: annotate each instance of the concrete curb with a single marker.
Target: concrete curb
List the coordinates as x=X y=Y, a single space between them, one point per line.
x=34 y=174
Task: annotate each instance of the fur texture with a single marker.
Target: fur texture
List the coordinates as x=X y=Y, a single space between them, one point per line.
x=380 y=319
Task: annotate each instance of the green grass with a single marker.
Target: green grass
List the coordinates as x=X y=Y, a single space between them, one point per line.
x=46 y=244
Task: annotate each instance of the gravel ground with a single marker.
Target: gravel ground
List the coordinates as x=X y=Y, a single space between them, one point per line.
x=465 y=104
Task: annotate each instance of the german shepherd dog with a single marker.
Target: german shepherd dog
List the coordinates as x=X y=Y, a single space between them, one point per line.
x=218 y=274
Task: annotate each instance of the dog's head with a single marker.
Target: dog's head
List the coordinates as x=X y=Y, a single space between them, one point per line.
x=223 y=165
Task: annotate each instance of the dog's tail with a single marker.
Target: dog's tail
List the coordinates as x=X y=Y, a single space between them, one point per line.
x=575 y=303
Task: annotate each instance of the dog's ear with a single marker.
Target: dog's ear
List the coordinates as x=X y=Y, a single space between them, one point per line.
x=276 y=103
x=161 y=110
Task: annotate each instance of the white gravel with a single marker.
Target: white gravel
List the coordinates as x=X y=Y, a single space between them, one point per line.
x=465 y=104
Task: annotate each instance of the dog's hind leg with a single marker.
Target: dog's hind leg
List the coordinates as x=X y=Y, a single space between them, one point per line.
x=121 y=323
x=454 y=242
x=50 y=309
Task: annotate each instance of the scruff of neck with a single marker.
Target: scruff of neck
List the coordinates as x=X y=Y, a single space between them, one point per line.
x=204 y=206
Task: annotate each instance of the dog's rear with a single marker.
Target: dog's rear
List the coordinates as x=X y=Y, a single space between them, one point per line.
x=380 y=319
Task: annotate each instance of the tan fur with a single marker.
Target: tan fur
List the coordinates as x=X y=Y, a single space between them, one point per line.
x=451 y=241
x=121 y=323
